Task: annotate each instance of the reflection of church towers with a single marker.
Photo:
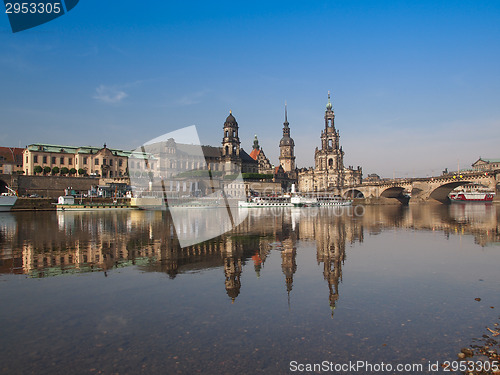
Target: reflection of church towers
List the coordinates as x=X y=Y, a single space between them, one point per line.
x=232 y=272
x=331 y=252
x=288 y=262
x=288 y=255
x=233 y=266
x=231 y=145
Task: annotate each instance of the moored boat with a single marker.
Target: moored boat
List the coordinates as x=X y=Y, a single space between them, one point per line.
x=277 y=201
x=471 y=196
x=7 y=200
x=333 y=202
x=67 y=203
x=301 y=201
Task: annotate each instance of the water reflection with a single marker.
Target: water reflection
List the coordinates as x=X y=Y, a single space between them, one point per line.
x=47 y=243
x=399 y=282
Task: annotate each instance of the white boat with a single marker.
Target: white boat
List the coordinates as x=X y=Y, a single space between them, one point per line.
x=301 y=201
x=333 y=202
x=472 y=196
x=7 y=200
x=279 y=201
x=67 y=203
x=148 y=203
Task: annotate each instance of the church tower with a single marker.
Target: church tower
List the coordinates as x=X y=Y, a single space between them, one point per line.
x=231 y=145
x=331 y=156
x=287 y=157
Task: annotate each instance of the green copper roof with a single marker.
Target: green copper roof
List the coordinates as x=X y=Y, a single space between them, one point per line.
x=329 y=104
x=74 y=150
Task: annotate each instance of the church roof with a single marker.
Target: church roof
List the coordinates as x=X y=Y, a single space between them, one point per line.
x=245 y=157
x=211 y=151
x=254 y=154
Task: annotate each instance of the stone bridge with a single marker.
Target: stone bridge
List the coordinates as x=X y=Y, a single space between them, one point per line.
x=422 y=189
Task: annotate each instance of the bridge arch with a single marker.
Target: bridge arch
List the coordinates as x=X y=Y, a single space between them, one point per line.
x=396 y=192
x=353 y=193
x=393 y=192
x=3 y=186
x=441 y=192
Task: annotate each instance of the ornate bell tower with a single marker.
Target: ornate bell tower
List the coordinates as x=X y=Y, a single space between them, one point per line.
x=231 y=145
x=331 y=156
x=287 y=157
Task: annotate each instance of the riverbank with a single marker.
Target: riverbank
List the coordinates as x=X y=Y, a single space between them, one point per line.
x=484 y=350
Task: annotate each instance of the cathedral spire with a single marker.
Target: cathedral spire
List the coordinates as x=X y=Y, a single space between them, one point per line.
x=286 y=121
x=329 y=104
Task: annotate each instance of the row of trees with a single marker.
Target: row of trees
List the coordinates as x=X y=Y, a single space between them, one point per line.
x=61 y=171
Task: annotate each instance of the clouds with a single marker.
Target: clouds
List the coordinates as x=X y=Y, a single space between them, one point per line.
x=192 y=98
x=109 y=94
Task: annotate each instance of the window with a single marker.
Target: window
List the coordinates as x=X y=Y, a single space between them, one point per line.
x=53 y=160
x=70 y=161
x=103 y=161
x=111 y=162
x=120 y=162
x=45 y=159
x=35 y=159
x=96 y=161
x=62 y=161
x=26 y=159
x=85 y=161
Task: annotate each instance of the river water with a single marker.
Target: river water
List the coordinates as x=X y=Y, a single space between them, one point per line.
x=112 y=292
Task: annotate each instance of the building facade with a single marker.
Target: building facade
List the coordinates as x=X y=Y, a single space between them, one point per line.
x=486 y=164
x=264 y=165
x=101 y=162
x=11 y=160
x=329 y=173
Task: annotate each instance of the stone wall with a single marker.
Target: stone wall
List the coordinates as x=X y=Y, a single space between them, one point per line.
x=53 y=186
x=263 y=188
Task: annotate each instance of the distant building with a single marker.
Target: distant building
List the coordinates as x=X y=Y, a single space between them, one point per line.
x=11 y=160
x=486 y=164
x=101 y=162
x=264 y=165
x=233 y=158
x=372 y=177
x=329 y=172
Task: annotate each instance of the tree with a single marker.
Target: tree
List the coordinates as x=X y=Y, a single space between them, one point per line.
x=46 y=170
x=64 y=170
x=38 y=169
x=82 y=171
x=72 y=171
x=55 y=170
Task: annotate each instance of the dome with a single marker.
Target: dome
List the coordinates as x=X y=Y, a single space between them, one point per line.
x=287 y=141
x=230 y=120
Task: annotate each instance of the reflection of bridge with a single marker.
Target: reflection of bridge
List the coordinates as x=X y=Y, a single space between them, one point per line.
x=423 y=189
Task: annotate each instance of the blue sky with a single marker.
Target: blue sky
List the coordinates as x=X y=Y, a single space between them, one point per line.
x=415 y=85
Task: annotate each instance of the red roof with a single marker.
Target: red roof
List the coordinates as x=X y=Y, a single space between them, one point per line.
x=254 y=154
x=7 y=152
